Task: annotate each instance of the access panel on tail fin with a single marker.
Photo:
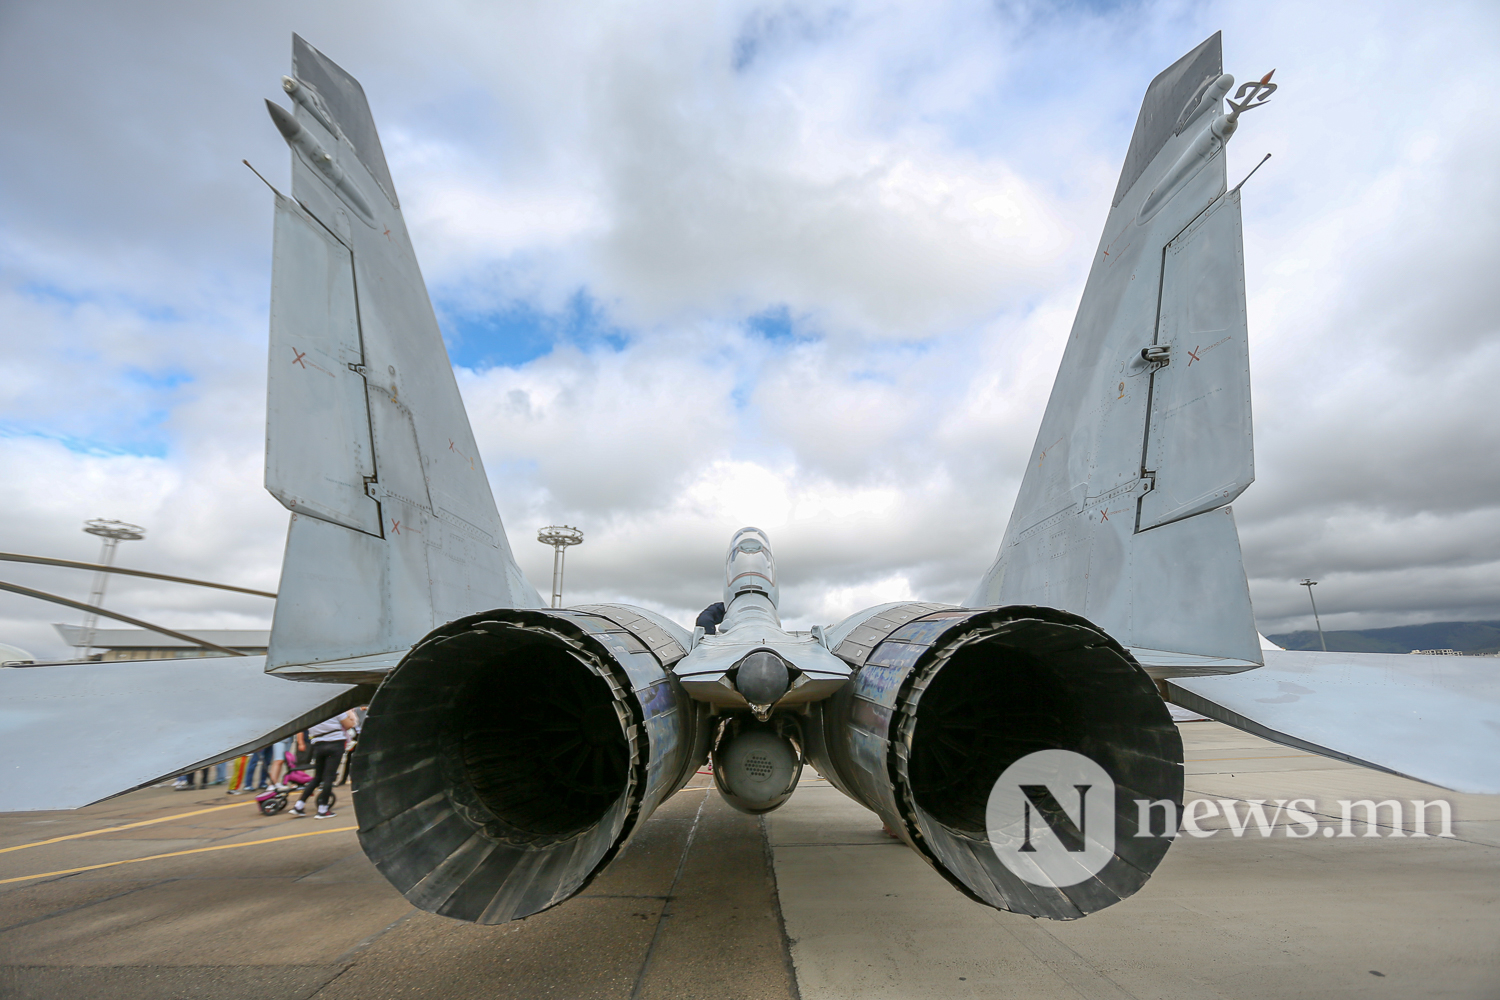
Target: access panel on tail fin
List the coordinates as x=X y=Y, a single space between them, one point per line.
x=394 y=528
x=319 y=456
x=1147 y=433
x=1199 y=454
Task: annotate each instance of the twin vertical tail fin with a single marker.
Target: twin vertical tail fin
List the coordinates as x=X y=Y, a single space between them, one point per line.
x=1122 y=516
x=394 y=529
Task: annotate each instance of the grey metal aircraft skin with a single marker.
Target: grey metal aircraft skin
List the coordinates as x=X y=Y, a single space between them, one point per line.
x=1018 y=744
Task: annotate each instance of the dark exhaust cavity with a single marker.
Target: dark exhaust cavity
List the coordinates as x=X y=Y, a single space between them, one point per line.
x=943 y=703
x=510 y=756
x=543 y=744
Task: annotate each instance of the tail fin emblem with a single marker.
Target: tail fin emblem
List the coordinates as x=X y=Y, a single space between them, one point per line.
x=1253 y=95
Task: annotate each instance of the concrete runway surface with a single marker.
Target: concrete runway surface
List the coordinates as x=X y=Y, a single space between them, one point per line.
x=813 y=902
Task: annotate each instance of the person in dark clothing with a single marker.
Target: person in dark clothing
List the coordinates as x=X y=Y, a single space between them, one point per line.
x=329 y=740
x=710 y=617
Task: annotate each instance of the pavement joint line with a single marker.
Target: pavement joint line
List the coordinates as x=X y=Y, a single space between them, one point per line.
x=838 y=843
x=81 y=906
x=790 y=963
x=332 y=979
x=661 y=918
x=618 y=895
x=1077 y=972
x=1275 y=756
x=115 y=829
x=173 y=854
x=349 y=956
x=331 y=864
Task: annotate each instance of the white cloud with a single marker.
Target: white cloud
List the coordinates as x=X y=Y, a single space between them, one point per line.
x=913 y=183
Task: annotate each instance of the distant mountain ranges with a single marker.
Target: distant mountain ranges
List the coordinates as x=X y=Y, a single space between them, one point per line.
x=1466 y=637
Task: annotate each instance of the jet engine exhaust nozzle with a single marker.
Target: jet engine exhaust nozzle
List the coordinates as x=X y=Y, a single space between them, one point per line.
x=511 y=755
x=1011 y=748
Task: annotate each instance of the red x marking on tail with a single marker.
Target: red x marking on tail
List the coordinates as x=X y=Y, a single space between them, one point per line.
x=395 y=527
x=1194 y=355
x=298 y=359
x=454 y=448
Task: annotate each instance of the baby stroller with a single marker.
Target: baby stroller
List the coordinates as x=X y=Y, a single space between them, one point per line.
x=273 y=800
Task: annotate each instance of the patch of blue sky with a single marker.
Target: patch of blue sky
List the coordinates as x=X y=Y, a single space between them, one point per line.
x=763 y=33
x=887 y=361
x=39 y=291
x=774 y=324
x=55 y=295
x=129 y=417
x=141 y=444
x=165 y=379
x=507 y=475
x=522 y=332
x=459 y=108
x=780 y=330
x=1050 y=63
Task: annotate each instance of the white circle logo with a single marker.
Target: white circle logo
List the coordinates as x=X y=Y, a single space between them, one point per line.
x=1051 y=818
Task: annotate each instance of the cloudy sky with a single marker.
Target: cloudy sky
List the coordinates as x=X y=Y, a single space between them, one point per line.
x=803 y=265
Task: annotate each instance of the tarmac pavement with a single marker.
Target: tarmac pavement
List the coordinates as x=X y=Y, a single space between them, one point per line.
x=814 y=901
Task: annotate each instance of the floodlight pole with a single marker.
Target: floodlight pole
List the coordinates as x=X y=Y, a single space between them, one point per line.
x=1310 y=584
x=559 y=536
x=113 y=533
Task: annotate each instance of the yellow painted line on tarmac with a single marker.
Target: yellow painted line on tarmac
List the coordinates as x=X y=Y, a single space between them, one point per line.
x=174 y=854
x=127 y=826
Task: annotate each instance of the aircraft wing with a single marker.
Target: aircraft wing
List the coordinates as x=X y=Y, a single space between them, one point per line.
x=1433 y=718
x=195 y=712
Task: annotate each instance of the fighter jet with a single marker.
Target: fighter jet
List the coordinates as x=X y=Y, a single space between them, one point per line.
x=1020 y=744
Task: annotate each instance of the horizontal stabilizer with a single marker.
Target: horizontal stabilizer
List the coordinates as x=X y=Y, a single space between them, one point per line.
x=77 y=733
x=1432 y=718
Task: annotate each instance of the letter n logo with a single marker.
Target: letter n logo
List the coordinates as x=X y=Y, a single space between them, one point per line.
x=1051 y=818
x=1041 y=802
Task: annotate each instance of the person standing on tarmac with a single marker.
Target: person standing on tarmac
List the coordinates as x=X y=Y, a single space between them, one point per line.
x=329 y=740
